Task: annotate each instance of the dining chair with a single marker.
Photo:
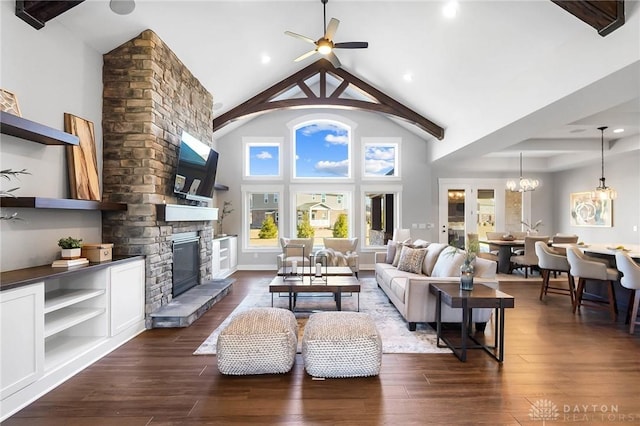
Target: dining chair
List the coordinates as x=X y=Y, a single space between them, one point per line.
x=563 y=239
x=631 y=280
x=586 y=268
x=549 y=261
x=529 y=259
x=473 y=238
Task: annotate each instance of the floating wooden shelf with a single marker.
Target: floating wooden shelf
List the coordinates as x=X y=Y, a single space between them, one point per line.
x=58 y=203
x=32 y=131
x=220 y=187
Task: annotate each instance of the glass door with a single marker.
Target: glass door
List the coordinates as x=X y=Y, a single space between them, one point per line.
x=455 y=200
x=486 y=208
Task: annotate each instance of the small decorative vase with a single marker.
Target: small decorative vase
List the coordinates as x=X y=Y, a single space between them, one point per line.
x=466 y=276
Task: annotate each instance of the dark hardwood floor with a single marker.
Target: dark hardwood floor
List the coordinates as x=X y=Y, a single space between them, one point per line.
x=585 y=366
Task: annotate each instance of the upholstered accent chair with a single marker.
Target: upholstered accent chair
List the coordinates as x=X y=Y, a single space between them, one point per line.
x=295 y=254
x=342 y=252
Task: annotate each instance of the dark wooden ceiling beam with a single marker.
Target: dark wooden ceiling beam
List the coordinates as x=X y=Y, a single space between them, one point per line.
x=603 y=15
x=37 y=13
x=381 y=103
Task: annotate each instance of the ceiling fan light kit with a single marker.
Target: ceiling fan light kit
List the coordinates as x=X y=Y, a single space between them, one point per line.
x=603 y=192
x=325 y=45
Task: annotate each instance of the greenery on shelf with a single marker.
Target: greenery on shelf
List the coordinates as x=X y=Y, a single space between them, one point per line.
x=69 y=243
x=340 y=228
x=305 y=230
x=269 y=229
x=8 y=174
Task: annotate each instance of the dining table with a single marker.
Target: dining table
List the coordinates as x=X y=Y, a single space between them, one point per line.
x=505 y=251
x=608 y=249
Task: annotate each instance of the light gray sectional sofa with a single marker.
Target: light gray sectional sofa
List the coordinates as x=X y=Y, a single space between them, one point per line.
x=409 y=291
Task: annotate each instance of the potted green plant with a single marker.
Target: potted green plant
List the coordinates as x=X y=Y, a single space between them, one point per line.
x=71 y=248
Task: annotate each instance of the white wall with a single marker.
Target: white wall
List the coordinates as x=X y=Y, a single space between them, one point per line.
x=622 y=173
x=51 y=73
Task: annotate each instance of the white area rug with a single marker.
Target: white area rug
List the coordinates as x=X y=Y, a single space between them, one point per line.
x=396 y=337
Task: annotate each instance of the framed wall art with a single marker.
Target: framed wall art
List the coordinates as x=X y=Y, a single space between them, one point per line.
x=9 y=103
x=586 y=211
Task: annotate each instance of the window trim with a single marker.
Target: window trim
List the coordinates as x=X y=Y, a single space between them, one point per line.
x=396 y=142
x=252 y=141
x=245 y=190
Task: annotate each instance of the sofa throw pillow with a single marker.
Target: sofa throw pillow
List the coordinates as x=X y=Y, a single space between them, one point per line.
x=411 y=259
x=396 y=257
x=420 y=243
x=391 y=251
x=448 y=263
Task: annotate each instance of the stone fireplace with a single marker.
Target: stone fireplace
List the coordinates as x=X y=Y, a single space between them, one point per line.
x=149 y=98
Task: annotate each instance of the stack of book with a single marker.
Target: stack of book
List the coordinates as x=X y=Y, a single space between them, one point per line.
x=67 y=263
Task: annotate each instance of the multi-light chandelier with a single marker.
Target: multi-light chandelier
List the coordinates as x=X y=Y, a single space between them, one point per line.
x=603 y=192
x=524 y=184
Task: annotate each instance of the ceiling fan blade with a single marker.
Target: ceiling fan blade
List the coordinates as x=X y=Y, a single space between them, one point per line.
x=301 y=37
x=352 y=45
x=331 y=29
x=331 y=57
x=305 y=56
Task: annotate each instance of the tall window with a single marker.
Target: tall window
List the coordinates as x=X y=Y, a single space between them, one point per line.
x=262 y=213
x=322 y=150
x=262 y=158
x=328 y=218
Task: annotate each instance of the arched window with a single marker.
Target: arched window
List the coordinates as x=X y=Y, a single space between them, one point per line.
x=322 y=150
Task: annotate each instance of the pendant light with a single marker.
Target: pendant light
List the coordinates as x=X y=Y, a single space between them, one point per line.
x=524 y=185
x=603 y=192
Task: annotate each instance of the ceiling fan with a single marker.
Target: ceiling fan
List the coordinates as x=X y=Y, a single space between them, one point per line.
x=325 y=44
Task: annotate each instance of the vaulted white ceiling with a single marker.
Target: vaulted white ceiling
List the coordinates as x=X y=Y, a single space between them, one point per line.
x=501 y=78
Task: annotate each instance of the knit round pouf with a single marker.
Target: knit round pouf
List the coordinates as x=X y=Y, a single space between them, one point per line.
x=258 y=341
x=341 y=344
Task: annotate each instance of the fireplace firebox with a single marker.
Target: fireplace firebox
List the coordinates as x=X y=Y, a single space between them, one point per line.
x=186 y=262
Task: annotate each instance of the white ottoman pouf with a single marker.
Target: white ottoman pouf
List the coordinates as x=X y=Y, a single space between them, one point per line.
x=258 y=341
x=341 y=344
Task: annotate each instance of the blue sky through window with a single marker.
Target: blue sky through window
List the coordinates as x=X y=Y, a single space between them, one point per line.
x=380 y=160
x=263 y=160
x=322 y=150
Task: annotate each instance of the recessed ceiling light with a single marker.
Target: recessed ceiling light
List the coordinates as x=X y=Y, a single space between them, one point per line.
x=265 y=59
x=407 y=76
x=450 y=9
x=122 y=7
x=620 y=130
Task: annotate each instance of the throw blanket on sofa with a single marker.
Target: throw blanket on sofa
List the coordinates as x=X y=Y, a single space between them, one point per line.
x=334 y=257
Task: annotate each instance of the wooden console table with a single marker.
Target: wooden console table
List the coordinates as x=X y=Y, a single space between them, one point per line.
x=481 y=296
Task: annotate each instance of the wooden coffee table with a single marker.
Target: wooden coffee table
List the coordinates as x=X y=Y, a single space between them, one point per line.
x=335 y=285
x=481 y=296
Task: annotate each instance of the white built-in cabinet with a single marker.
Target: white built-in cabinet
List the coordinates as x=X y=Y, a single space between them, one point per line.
x=224 y=259
x=54 y=328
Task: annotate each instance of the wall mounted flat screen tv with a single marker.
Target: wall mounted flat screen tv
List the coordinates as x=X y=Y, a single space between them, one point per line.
x=196 y=171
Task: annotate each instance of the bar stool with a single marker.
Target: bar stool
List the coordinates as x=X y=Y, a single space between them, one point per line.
x=550 y=261
x=631 y=280
x=589 y=268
